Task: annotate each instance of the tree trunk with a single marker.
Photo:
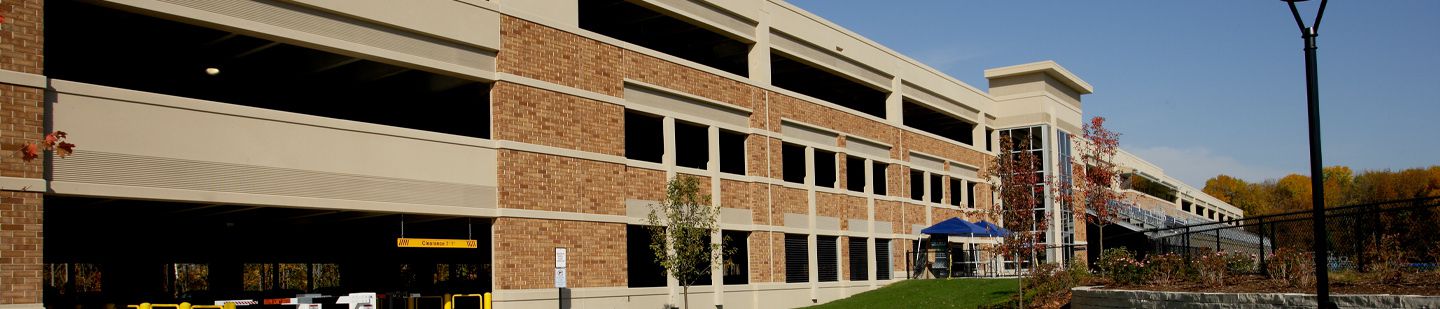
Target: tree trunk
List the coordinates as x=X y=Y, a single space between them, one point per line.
x=1021 y=287
x=685 y=289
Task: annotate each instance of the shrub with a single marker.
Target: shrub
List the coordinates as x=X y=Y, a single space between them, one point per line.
x=1048 y=285
x=1292 y=267
x=1239 y=263
x=1166 y=268
x=1387 y=259
x=1212 y=268
x=1121 y=268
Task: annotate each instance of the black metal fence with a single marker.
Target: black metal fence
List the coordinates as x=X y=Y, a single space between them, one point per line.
x=1404 y=232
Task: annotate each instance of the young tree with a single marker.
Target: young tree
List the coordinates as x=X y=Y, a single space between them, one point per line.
x=680 y=230
x=1094 y=192
x=1016 y=176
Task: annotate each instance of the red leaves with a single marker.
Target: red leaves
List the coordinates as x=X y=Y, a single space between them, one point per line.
x=55 y=141
x=29 y=152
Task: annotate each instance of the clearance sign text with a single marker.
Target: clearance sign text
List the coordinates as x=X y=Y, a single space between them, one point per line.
x=434 y=243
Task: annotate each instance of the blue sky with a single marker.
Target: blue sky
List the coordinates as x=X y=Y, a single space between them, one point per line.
x=1200 y=87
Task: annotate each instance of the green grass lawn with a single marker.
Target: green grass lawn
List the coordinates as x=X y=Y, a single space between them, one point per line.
x=934 y=293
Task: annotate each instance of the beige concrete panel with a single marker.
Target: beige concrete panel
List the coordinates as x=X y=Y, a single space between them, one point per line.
x=710 y=16
x=565 y=12
x=826 y=223
x=698 y=108
x=864 y=147
x=919 y=75
x=858 y=225
x=827 y=59
x=448 y=19
x=964 y=170
x=309 y=27
x=937 y=101
x=797 y=220
x=926 y=161
x=141 y=124
x=735 y=216
x=808 y=133
x=829 y=36
x=884 y=227
x=748 y=9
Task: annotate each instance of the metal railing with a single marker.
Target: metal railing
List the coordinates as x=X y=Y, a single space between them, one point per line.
x=1354 y=234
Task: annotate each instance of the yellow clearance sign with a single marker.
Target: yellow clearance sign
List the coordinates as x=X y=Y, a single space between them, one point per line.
x=435 y=243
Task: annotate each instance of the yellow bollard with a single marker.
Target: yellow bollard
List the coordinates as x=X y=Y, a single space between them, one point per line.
x=487 y=300
x=449 y=303
x=228 y=305
x=145 y=306
x=184 y=305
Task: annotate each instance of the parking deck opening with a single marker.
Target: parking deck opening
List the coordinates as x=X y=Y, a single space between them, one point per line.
x=110 y=253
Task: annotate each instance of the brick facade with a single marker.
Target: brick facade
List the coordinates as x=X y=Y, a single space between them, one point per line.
x=21 y=245
x=525 y=248
x=541 y=117
x=546 y=182
x=22 y=121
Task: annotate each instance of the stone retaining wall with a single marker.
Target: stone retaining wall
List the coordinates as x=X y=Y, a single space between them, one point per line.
x=1091 y=297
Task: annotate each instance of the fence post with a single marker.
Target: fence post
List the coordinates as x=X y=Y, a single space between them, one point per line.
x=1217 y=239
x=1261 y=235
x=1187 y=245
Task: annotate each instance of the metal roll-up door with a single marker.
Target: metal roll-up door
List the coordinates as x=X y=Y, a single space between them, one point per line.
x=828 y=264
x=797 y=258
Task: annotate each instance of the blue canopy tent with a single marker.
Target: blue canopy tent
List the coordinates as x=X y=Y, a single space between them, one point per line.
x=955 y=226
x=991 y=229
x=941 y=247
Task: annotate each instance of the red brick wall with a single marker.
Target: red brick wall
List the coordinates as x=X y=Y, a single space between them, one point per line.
x=544 y=117
x=548 y=54
x=525 y=253
x=761 y=258
x=745 y=195
x=21 y=121
x=788 y=200
x=662 y=73
x=644 y=184
x=21 y=245
x=21 y=37
x=547 y=182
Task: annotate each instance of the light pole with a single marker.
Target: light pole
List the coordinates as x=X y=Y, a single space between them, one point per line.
x=1312 y=90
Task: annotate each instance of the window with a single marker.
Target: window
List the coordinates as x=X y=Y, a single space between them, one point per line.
x=72 y=277
x=928 y=119
x=644 y=137
x=183 y=279
x=692 y=145
x=854 y=173
x=824 y=168
x=738 y=272
x=793 y=160
x=917 y=185
x=796 y=75
x=639 y=25
x=937 y=188
x=169 y=57
x=882 y=259
x=859 y=260
x=797 y=258
x=970 y=195
x=732 y=152
x=1185 y=206
x=989 y=142
x=957 y=191
x=877 y=177
x=643 y=270
x=1149 y=187
x=826 y=260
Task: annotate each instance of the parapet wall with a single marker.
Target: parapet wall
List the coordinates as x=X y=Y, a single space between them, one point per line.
x=1093 y=297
